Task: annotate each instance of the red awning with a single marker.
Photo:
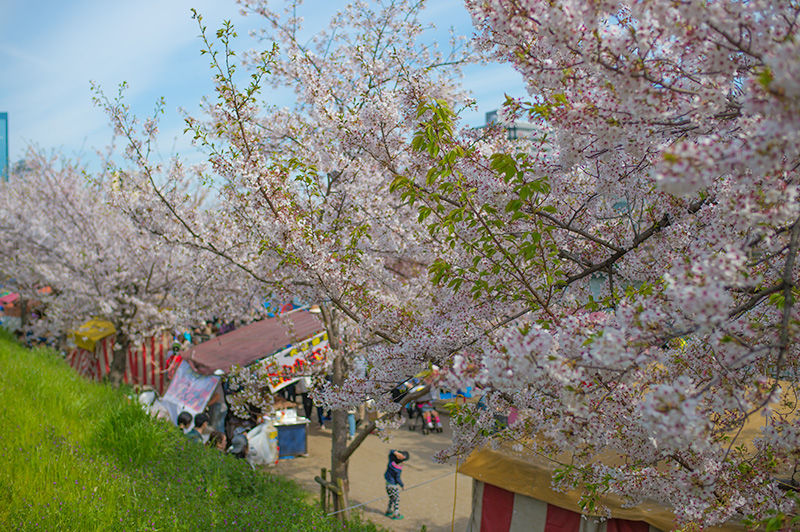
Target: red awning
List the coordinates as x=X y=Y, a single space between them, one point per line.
x=252 y=342
x=8 y=298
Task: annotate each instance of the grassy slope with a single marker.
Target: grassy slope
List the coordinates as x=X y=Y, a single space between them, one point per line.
x=75 y=455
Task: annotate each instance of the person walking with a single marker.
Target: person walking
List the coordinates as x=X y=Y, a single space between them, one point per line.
x=394 y=481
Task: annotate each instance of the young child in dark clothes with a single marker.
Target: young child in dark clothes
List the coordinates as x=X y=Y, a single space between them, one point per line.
x=394 y=482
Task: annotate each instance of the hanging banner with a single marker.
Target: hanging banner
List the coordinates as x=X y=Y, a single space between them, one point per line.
x=304 y=358
x=188 y=391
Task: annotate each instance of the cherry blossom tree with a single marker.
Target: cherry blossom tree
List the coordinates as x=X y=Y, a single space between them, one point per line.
x=623 y=282
x=59 y=231
x=638 y=255
x=301 y=194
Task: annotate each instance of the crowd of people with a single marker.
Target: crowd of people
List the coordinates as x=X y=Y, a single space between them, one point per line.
x=198 y=430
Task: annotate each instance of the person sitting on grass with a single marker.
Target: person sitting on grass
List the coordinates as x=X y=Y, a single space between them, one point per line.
x=239 y=446
x=184 y=422
x=393 y=481
x=201 y=426
x=217 y=440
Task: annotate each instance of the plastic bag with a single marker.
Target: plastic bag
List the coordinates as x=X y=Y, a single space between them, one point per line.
x=263 y=441
x=147 y=398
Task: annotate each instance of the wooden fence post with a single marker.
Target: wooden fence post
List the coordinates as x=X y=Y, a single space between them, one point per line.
x=325 y=489
x=342 y=511
x=323 y=493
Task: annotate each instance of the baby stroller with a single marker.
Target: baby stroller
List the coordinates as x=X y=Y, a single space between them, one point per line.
x=422 y=412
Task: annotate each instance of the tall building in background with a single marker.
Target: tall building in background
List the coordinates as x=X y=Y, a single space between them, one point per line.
x=516 y=130
x=4 y=168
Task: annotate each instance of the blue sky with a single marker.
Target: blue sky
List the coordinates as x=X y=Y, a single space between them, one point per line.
x=50 y=50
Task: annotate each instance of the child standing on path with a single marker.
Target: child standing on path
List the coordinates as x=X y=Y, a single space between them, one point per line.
x=394 y=482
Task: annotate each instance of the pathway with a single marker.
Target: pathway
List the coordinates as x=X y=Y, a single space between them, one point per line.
x=430 y=505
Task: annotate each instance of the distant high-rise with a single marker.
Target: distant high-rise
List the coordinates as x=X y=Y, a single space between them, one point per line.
x=516 y=129
x=4 y=169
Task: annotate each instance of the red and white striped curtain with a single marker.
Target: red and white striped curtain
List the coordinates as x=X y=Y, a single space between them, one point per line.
x=93 y=364
x=145 y=364
x=497 y=510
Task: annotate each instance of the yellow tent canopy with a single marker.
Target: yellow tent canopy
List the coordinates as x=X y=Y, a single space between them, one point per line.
x=87 y=335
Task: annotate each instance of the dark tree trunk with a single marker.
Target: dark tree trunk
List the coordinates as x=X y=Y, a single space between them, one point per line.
x=118 y=363
x=339 y=465
x=23 y=314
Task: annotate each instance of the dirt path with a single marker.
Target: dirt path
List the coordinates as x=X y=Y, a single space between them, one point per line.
x=430 y=505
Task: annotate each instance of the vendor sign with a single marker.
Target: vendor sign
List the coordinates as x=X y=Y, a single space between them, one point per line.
x=287 y=366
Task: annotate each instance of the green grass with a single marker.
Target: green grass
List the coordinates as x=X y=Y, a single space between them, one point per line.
x=76 y=455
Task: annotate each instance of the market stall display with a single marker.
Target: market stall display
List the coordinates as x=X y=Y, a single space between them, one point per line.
x=145 y=362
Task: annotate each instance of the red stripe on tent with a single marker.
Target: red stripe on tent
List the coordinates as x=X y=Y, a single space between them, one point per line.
x=623 y=525
x=109 y=347
x=88 y=364
x=158 y=365
x=79 y=362
x=497 y=509
x=72 y=359
x=161 y=366
x=142 y=356
x=153 y=362
x=77 y=359
x=131 y=371
x=146 y=362
x=97 y=365
x=91 y=364
x=561 y=520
